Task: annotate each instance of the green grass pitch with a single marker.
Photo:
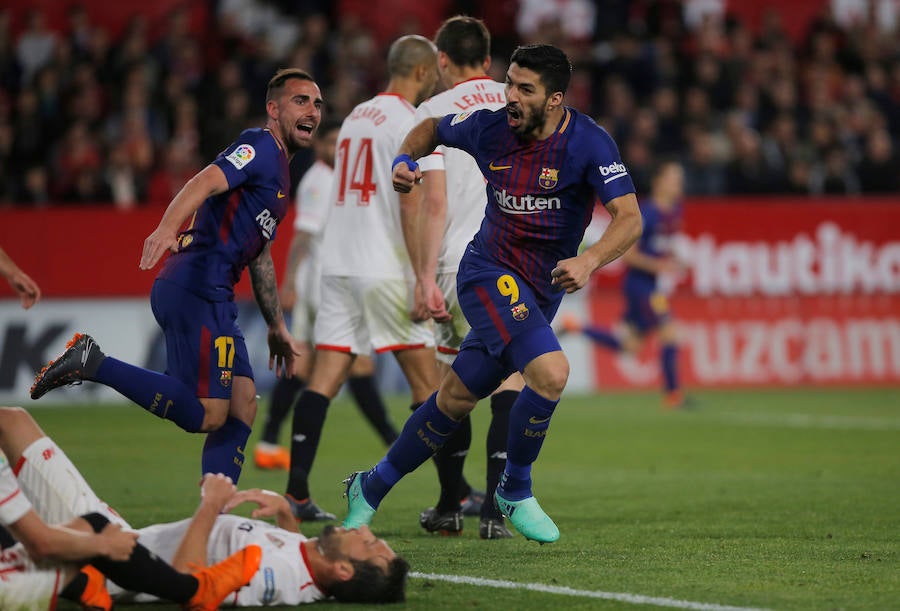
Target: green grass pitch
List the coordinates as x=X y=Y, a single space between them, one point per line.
x=783 y=499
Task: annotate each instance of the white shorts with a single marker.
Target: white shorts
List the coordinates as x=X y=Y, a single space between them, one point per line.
x=303 y=316
x=56 y=489
x=26 y=586
x=358 y=315
x=448 y=336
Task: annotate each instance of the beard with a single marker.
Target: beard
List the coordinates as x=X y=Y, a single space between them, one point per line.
x=293 y=140
x=530 y=121
x=330 y=543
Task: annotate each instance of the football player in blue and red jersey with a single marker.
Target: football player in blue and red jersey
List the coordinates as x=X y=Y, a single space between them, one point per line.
x=545 y=164
x=235 y=205
x=652 y=266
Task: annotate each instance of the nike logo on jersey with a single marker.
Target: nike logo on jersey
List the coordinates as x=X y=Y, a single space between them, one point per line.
x=280 y=195
x=534 y=420
x=496 y=168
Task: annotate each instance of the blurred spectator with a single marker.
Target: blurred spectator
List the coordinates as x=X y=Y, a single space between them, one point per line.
x=31 y=138
x=178 y=167
x=121 y=179
x=748 y=171
x=35 y=188
x=833 y=174
x=703 y=173
x=35 y=45
x=78 y=153
x=749 y=107
x=88 y=187
x=879 y=170
x=799 y=176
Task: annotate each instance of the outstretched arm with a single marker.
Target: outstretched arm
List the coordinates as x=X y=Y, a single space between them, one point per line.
x=215 y=492
x=206 y=183
x=282 y=347
x=624 y=229
x=26 y=288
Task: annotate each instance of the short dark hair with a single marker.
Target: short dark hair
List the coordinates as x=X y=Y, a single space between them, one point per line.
x=276 y=83
x=549 y=62
x=662 y=163
x=370 y=584
x=465 y=40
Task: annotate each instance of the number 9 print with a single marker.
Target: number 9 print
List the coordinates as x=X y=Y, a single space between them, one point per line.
x=507 y=286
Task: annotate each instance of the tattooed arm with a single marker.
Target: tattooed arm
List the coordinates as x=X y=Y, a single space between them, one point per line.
x=282 y=347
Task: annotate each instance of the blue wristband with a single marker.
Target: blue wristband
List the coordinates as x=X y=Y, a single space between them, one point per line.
x=412 y=165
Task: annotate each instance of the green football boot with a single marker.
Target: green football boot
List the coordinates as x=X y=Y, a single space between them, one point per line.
x=359 y=512
x=528 y=518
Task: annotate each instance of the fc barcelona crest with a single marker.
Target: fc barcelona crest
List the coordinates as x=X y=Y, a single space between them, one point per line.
x=225 y=378
x=548 y=178
x=519 y=311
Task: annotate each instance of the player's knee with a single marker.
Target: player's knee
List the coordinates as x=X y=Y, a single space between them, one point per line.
x=548 y=378
x=12 y=419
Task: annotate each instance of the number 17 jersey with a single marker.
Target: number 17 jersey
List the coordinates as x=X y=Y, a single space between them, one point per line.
x=363 y=236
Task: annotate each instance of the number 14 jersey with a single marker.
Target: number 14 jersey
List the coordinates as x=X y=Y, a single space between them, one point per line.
x=363 y=235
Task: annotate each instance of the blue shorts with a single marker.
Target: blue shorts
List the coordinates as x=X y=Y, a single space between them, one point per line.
x=646 y=310
x=509 y=327
x=205 y=349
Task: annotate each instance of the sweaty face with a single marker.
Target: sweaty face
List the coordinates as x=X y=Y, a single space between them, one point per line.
x=299 y=111
x=526 y=102
x=355 y=544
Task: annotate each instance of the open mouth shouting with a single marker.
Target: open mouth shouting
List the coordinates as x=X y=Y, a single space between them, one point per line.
x=513 y=115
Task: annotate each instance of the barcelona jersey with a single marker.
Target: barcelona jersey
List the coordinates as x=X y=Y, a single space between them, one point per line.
x=540 y=194
x=231 y=229
x=660 y=229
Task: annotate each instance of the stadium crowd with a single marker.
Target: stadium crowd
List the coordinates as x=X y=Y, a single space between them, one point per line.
x=87 y=116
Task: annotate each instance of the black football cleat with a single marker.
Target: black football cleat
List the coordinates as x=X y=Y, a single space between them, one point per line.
x=493 y=528
x=307 y=511
x=448 y=524
x=79 y=362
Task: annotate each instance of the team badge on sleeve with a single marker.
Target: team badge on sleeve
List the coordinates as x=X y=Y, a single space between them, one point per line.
x=459 y=118
x=548 y=178
x=241 y=156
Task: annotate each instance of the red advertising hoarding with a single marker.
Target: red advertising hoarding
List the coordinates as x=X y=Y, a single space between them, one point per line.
x=778 y=293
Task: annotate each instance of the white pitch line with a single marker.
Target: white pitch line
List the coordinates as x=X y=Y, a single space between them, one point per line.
x=635 y=599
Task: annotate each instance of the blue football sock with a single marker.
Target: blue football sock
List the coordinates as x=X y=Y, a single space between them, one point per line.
x=161 y=395
x=223 y=451
x=669 y=357
x=424 y=433
x=602 y=336
x=529 y=420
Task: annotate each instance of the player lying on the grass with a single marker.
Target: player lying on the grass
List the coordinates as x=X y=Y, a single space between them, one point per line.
x=350 y=565
x=40 y=563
